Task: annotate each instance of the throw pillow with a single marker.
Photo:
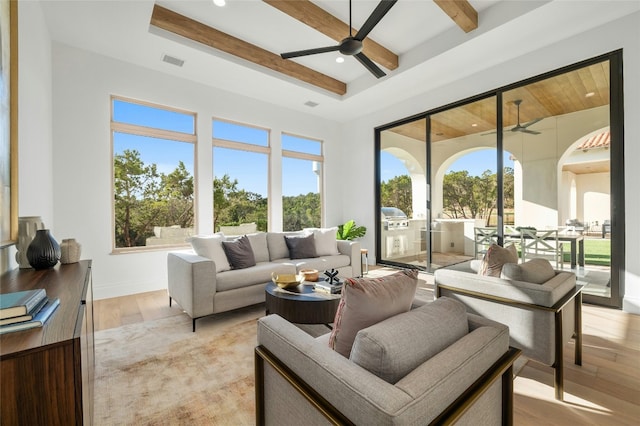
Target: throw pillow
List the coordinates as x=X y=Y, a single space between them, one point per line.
x=302 y=247
x=210 y=246
x=537 y=271
x=366 y=301
x=326 y=242
x=239 y=253
x=495 y=257
x=277 y=245
x=393 y=348
x=259 y=245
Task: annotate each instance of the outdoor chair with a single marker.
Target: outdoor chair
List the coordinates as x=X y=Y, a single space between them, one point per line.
x=541 y=244
x=483 y=238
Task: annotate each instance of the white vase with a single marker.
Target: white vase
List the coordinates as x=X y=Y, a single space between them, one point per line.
x=27 y=227
x=70 y=251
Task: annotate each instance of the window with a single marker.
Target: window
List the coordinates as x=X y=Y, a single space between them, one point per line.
x=241 y=175
x=302 y=168
x=153 y=167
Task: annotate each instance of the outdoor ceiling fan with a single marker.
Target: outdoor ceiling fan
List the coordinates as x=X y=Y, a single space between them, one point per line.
x=523 y=127
x=352 y=45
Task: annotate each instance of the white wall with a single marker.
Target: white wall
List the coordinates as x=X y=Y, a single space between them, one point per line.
x=34 y=124
x=623 y=33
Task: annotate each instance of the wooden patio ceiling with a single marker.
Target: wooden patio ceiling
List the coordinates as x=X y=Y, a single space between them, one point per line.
x=573 y=91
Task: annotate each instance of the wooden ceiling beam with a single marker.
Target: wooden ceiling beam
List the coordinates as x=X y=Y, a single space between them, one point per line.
x=322 y=21
x=183 y=26
x=462 y=13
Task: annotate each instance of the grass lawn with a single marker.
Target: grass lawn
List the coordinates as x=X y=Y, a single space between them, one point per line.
x=596 y=252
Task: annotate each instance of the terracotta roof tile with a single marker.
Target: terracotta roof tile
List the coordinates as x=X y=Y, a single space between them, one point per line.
x=600 y=140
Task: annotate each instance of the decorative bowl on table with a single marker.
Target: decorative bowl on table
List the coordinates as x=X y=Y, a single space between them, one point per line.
x=286 y=280
x=309 y=274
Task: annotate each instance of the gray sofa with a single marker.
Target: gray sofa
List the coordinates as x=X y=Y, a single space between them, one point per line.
x=465 y=378
x=201 y=288
x=541 y=317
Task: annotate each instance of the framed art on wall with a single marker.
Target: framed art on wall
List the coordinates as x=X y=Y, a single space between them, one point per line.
x=9 y=122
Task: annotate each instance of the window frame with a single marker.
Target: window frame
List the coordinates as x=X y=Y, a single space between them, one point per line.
x=145 y=131
x=246 y=147
x=311 y=157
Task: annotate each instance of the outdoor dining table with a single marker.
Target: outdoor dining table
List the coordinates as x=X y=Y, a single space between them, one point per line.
x=575 y=238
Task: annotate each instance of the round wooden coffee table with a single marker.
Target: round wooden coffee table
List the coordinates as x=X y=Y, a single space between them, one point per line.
x=301 y=304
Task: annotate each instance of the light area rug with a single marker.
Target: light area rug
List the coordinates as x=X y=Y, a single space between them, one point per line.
x=161 y=373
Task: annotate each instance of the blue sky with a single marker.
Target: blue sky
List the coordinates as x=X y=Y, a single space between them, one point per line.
x=475 y=163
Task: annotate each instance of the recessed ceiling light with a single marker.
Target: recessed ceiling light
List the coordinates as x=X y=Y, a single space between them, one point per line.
x=590 y=94
x=339 y=59
x=311 y=104
x=219 y=3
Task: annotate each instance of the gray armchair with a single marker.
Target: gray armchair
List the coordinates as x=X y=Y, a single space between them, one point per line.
x=300 y=380
x=541 y=317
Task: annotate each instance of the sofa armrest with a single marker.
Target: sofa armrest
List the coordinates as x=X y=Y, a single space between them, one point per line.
x=191 y=282
x=352 y=249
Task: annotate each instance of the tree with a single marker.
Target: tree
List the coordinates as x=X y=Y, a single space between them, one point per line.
x=398 y=192
x=301 y=211
x=145 y=198
x=233 y=206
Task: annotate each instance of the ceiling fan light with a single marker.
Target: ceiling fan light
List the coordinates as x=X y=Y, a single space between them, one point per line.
x=350 y=46
x=219 y=3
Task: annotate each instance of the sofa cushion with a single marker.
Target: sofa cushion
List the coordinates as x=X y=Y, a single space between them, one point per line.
x=495 y=257
x=537 y=271
x=394 y=347
x=210 y=246
x=301 y=247
x=366 y=301
x=325 y=240
x=239 y=253
x=259 y=245
x=277 y=246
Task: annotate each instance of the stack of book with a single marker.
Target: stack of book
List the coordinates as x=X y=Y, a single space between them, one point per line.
x=22 y=310
x=325 y=287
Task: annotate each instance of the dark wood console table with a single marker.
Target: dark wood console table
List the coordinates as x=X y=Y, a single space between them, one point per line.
x=47 y=373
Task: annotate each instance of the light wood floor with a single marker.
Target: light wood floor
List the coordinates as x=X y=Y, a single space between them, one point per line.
x=605 y=390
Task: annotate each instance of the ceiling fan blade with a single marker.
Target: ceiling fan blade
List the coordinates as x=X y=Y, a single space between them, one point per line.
x=373 y=68
x=378 y=13
x=531 y=123
x=307 y=52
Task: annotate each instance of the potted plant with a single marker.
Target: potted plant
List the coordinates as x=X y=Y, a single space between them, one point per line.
x=350 y=231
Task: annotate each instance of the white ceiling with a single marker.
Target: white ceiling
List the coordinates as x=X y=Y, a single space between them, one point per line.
x=432 y=49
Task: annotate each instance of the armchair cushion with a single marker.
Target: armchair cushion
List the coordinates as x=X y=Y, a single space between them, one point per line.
x=536 y=271
x=393 y=348
x=210 y=246
x=497 y=256
x=366 y=301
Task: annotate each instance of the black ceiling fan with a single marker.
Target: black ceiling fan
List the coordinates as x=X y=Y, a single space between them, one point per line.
x=352 y=45
x=523 y=127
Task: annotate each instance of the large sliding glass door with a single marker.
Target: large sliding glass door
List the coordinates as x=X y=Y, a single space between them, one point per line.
x=402 y=190
x=543 y=154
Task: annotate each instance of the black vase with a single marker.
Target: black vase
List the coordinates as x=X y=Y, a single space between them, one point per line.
x=44 y=250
